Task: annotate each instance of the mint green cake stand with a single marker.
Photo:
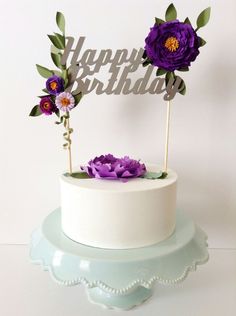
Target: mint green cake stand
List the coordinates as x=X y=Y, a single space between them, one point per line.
x=118 y=279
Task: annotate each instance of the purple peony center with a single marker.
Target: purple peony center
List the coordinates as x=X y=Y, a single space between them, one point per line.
x=112 y=168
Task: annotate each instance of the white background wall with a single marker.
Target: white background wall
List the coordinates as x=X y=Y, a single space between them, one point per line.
x=203 y=123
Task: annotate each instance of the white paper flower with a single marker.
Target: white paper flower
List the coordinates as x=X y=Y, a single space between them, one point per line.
x=65 y=101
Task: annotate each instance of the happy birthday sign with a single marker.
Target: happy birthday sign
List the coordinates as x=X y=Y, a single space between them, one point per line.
x=122 y=63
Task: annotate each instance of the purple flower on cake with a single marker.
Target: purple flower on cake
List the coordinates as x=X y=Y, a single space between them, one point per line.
x=172 y=45
x=65 y=101
x=112 y=168
x=55 y=85
x=47 y=106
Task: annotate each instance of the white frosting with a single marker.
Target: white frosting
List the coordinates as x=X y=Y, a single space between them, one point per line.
x=117 y=215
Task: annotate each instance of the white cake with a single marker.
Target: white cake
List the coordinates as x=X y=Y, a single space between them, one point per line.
x=116 y=215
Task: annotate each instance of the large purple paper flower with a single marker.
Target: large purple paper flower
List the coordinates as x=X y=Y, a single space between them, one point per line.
x=172 y=45
x=112 y=168
x=55 y=85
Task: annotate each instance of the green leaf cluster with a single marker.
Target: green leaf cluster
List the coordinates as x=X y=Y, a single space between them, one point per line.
x=58 y=42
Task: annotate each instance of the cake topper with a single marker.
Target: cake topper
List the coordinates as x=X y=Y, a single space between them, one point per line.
x=172 y=46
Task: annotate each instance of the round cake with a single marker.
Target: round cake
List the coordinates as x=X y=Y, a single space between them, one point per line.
x=118 y=215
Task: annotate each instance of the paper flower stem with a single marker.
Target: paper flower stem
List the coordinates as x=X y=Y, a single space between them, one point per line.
x=167 y=137
x=67 y=145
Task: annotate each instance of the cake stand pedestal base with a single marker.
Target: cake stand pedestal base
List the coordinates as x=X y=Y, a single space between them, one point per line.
x=118 y=279
x=114 y=301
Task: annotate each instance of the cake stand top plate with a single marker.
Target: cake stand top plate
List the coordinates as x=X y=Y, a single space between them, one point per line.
x=118 y=271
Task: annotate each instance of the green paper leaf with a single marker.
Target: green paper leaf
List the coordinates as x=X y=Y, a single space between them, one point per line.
x=171 y=13
x=66 y=83
x=43 y=96
x=164 y=175
x=35 y=111
x=183 y=69
x=55 y=50
x=182 y=87
x=58 y=73
x=203 y=18
x=56 y=59
x=44 y=72
x=159 y=21
x=57 y=112
x=61 y=39
x=154 y=175
x=60 y=19
x=144 y=55
x=183 y=92
x=202 y=42
x=160 y=72
x=147 y=62
x=65 y=77
x=187 y=21
x=78 y=175
x=64 y=74
x=53 y=98
x=168 y=76
x=77 y=97
x=70 y=76
x=56 y=42
x=60 y=121
x=45 y=90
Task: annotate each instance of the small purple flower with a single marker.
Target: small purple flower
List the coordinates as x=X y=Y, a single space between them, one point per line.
x=55 y=85
x=172 y=45
x=112 y=168
x=47 y=106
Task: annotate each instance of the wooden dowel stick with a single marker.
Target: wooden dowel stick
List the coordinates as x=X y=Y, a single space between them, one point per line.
x=69 y=146
x=167 y=137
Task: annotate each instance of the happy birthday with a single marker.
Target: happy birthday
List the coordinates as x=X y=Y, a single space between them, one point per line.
x=122 y=65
